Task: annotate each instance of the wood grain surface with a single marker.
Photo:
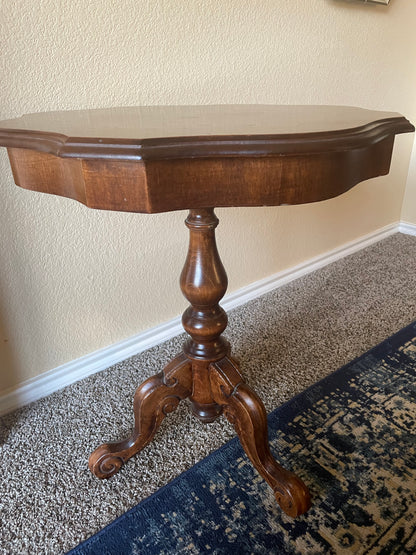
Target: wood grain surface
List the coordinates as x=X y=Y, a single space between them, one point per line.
x=162 y=158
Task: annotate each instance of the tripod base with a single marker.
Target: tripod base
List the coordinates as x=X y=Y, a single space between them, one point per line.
x=226 y=393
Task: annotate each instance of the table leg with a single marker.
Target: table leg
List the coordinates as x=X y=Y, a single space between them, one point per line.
x=153 y=400
x=246 y=412
x=205 y=374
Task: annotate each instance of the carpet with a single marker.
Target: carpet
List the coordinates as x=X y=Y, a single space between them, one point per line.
x=351 y=437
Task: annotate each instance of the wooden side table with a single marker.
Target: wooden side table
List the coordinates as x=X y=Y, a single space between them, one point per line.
x=157 y=159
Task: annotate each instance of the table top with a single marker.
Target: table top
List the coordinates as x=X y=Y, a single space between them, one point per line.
x=183 y=131
x=158 y=158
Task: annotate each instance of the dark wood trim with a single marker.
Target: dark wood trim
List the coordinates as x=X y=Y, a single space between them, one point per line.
x=203 y=146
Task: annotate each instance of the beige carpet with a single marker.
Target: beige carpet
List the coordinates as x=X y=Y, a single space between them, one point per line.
x=285 y=341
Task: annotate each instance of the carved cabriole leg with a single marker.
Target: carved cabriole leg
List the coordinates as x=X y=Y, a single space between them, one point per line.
x=246 y=412
x=153 y=400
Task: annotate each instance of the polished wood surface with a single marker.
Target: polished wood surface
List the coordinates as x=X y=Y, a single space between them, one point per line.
x=156 y=159
x=117 y=127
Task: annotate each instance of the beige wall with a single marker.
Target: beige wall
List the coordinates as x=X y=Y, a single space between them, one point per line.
x=74 y=280
x=409 y=201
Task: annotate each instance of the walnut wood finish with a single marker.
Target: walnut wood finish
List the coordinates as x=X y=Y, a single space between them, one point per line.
x=153 y=400
x=156 y=159
x=246 y=412
x=161 y=158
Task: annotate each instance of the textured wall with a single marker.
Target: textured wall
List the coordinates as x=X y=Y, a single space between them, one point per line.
x=74 y=280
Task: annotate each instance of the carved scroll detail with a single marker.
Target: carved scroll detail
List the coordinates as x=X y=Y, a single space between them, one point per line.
x=154 y=399
x=246 y=412
x=106 y=464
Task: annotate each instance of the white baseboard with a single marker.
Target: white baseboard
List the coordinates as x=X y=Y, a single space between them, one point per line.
x=407 y=228
x=57 y=378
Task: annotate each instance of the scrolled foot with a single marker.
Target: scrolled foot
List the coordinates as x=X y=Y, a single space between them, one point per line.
x=246 y=412
x=294 y=498
x=103 y=463
x=153 y=400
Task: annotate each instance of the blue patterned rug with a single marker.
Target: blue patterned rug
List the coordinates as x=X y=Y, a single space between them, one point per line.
x=350 y=437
